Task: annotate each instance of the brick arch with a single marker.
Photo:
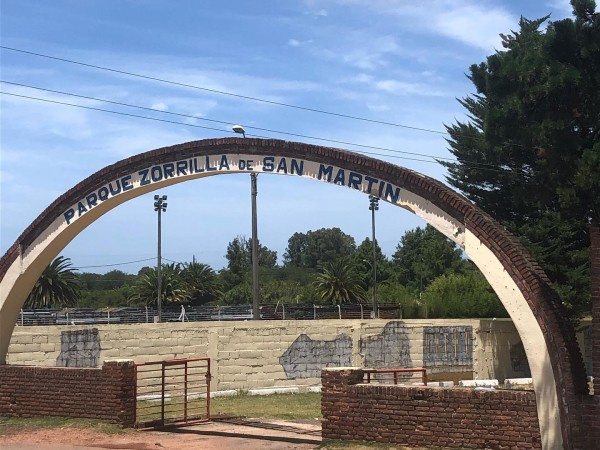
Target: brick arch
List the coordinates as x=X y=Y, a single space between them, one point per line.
x=557 y=366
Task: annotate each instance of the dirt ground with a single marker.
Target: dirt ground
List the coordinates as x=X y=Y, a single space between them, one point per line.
x=246 y=434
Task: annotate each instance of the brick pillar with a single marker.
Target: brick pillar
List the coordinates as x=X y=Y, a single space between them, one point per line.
x=595 y=255
x=119 y=380
x=334 y=399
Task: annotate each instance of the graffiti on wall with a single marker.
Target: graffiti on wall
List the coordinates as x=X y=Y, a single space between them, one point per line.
x=390 y=349
x=306 y=357
x=79 y=348
x=448 y=346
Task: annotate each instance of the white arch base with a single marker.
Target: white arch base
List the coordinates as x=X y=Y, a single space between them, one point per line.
x=25 y=270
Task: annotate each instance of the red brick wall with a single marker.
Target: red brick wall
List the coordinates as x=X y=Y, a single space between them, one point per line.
x=426 y=416
x=107 y=393
x=591 y=408
x=595 y=254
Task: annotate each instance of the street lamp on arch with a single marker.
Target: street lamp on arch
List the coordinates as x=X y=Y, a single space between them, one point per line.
x=239 y=130
x=253 y=192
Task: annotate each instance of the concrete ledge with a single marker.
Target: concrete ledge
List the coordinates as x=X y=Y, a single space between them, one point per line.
x=510 y=382
x=226 y=393
x=478 y=383
x=269 y=391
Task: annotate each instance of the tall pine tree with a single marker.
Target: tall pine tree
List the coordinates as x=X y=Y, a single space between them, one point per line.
x=530 y=153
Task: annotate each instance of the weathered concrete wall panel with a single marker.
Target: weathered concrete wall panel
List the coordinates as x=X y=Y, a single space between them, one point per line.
x=250 y=355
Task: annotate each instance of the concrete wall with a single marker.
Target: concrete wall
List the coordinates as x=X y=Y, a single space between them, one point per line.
x=249 y=355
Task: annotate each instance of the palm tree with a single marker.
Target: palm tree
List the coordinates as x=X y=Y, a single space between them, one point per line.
x=202 y=283
x=172 y=286
x=338 y=282
x=58 y=286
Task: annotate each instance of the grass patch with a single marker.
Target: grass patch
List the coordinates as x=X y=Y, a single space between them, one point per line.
x=274 y=406
x=11 y=425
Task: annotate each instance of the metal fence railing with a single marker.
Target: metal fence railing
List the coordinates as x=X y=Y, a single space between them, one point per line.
x=125 y=315
x=170 y=392
x=396 y=376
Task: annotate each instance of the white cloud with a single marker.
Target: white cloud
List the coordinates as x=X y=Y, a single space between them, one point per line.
x=378 y=108
x=363 y=78
x=160 y=106
x=297 y=43
x=404 y=88
x=560 y=7
x=475 y=25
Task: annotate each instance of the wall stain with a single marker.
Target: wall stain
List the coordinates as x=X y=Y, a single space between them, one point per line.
x=448 y=346
x=388 y=350
x=306 y=357
x=79 y=348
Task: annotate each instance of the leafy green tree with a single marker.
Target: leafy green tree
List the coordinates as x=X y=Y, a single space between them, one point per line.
x=202 y=284
x=102 y=298
x=422 y=255
x=316 y=248
x=363 y=261
x=239 y=255
x=286 y=292
x=239 y=266
x=338 y=283
x=102 y=290
x=173 y=289
x=466 y=295
x=394 y=293
x=240 y=294
x=238 y=259
x=530 y=153
x=57 y=287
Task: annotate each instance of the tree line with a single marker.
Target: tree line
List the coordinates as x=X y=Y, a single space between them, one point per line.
x=427 y=276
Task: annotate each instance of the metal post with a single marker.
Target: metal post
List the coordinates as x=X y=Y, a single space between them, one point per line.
x=255 y=288
x=159 y=270
x=185 y=392
x=374 y=206
x=160 y=205
x=162 y=394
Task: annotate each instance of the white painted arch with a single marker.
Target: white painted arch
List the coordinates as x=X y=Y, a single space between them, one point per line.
x=126 y=180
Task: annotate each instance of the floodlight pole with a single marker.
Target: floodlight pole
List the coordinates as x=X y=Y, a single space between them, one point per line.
x=160 y=205
x=374 y=206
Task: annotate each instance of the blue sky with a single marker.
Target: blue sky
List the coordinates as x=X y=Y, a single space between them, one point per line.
x=394 y=61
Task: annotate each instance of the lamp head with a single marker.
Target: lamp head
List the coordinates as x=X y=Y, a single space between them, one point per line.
x=239 y=130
